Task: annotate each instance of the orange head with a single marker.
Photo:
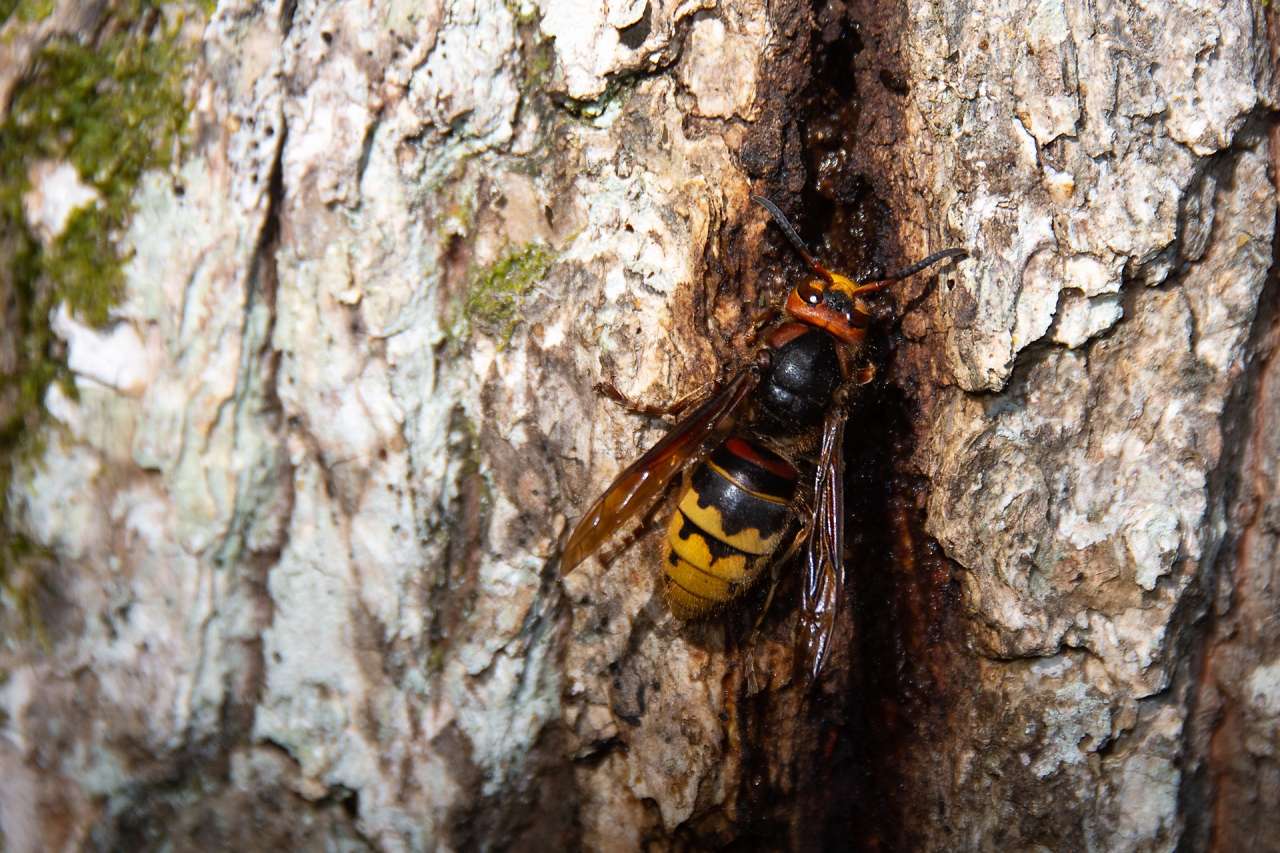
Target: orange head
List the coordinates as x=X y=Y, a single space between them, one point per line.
x=831 y=304
x=830 y=301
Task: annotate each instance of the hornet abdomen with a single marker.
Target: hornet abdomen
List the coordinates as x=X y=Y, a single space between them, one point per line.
x=728 y=523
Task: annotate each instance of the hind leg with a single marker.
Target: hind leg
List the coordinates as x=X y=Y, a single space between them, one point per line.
x=803 y=531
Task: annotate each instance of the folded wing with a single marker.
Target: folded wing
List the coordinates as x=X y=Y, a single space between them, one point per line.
x=823 y=582
x=643 y=481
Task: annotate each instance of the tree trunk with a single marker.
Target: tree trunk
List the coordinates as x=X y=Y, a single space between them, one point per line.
x=285 y=501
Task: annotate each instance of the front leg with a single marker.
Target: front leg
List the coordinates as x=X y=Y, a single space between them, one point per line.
x=674 y=409
x=761 y=321
x=689 y=402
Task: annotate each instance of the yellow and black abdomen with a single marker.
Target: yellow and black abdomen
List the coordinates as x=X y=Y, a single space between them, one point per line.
x=728 y=523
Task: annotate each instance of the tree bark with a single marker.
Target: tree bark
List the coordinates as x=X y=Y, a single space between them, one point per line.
x=293 y=577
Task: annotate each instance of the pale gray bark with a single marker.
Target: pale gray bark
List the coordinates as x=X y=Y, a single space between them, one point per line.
x=306 y=511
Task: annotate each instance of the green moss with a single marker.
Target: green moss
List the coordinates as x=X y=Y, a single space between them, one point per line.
x=538 y=62
x=114 y=109
x=496 y=293
x=525 y=17
x=28 y=11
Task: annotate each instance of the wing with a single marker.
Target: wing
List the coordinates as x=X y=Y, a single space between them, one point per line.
x=823 y=580
x=637 y=486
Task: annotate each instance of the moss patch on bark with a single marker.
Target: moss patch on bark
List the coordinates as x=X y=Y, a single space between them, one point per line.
x=113 y=108
x=497 y=292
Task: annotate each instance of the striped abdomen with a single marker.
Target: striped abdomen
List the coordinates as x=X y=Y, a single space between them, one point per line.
x=728 y=523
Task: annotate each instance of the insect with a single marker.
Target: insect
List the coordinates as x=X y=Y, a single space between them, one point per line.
x=761 y=457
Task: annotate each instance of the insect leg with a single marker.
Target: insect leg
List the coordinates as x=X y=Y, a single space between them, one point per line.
x=855 y=377
x=776 y=564
x=758 y=324
x=635 y=535
x=643 y=481
x=752 y=683
x=673 y=409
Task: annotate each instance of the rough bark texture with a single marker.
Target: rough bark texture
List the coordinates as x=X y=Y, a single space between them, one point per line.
x=296 y=581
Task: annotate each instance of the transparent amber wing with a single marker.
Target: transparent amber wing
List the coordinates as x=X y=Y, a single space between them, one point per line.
x=823 y=583
x=644 y=480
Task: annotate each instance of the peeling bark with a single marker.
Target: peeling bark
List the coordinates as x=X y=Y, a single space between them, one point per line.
x=301 y=522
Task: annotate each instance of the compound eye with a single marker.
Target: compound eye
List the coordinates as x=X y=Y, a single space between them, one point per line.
x=810 y=294
x=848 y=317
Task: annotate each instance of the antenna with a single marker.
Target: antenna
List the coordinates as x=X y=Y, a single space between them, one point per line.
x=792 y=235
x=926 y=263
